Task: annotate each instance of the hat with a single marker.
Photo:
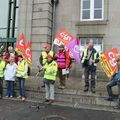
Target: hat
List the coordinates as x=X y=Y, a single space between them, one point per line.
x=20 y=56
x=47 y=46
x=48 y=56
x=61 y=46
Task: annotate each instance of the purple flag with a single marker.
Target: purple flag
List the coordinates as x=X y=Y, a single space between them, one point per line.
x=74 y=49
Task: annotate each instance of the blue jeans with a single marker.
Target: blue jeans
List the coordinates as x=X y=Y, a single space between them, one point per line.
x=21 y=86
x=112 y=84
x=1 y=85
x=10 y=90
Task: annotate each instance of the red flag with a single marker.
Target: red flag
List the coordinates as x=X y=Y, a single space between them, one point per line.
x=63 y=37
x=20 y=44
x=27 y=53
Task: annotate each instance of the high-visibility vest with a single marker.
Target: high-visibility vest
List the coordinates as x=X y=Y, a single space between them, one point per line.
x=2 y=66
x=44 y=55
x=51 y=70
x=85 y=55
x=21 y=70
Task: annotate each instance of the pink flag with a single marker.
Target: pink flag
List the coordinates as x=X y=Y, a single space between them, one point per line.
x=74 y=49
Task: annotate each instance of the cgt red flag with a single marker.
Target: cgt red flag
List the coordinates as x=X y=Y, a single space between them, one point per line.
x=20 y=44
x=27 y=53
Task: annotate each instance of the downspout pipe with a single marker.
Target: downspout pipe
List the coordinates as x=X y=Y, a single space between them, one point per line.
x=54 y=3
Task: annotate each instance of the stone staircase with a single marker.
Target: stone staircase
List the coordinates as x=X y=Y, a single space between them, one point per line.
x=72 y=96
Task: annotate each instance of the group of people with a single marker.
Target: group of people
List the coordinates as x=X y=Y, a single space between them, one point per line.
x=12 y=67
x=56 y=63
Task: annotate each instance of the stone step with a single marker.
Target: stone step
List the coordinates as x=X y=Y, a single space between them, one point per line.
x=72 y=96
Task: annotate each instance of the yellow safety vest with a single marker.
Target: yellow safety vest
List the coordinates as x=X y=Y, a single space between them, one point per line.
x=2 y=66
x=21 y=69
x=44 y=55
x=51 y=70
x=85 y=55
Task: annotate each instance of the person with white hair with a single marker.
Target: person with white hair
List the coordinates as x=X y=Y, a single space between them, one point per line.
x=9 y=76
x=89 y=60
x=11 y=52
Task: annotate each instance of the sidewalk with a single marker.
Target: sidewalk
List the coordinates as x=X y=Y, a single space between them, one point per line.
x=72 y=95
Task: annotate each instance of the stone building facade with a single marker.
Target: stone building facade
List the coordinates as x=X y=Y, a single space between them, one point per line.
x=96 y=20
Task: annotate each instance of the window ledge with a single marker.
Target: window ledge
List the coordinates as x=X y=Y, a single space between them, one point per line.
x=86 y=23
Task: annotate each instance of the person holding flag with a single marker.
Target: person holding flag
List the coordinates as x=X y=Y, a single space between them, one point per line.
x=115 y=80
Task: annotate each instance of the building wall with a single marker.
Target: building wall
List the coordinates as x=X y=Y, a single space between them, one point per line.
x=36 y=22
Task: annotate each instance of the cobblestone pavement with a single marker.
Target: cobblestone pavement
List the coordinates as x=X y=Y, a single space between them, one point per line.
x=17 y=110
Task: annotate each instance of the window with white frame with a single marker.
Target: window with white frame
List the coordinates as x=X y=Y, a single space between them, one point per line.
x=98 y=44
x=92 y=10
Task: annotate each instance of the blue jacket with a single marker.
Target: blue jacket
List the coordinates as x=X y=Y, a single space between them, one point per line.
x=117 y=76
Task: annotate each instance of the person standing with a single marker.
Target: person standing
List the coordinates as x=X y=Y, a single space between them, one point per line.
x=63 y=61
x=9 y=74
x=115 y=80
x=2 y=67
x=50 y=72
x=89 y=60
x=21 y=75
x=43 y=56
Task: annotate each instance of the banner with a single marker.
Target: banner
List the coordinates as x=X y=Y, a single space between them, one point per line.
x=74 y=49
x=63 y=37
x=28 y=53
x=108 y=62
x=20 y=44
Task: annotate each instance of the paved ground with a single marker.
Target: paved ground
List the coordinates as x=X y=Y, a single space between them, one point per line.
x=17 y=110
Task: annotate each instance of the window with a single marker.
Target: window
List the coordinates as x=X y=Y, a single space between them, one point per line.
x=92 y=10
x=96 y=41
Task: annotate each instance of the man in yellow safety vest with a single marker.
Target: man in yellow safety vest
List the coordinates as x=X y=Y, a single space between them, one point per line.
x=43 y=56
x=50 y=72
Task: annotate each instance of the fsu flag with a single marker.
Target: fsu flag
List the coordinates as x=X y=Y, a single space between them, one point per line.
x=27 y=53
x=63 y=38
x=20 y=44
x=108 y=62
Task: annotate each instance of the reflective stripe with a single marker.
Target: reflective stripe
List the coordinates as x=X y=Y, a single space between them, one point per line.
x=44 y=55
x=21 y=70
x=51 y=70
x=85 y=55
x=2 y=66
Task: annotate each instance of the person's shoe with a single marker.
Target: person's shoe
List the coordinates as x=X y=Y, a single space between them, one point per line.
x=61 y=87
x=23 y=98
x=117 y=107
x=109 y=99
x=6 y=96
x=46 y=100
x=50 y=102
x=11 y=96
x=0 y=96
x=93 y=90
x=43 y=86
x=85 y=89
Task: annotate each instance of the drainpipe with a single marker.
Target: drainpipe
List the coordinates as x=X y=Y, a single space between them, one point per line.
x=54 y=3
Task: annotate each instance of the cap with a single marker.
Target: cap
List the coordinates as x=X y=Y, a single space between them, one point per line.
x=47 y=46
x=49 y=56
x=20 y=56
x=61 y=46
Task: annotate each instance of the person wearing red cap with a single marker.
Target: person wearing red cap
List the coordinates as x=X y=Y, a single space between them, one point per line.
x=50 y=72
x=2 y=67
x=43 y=56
